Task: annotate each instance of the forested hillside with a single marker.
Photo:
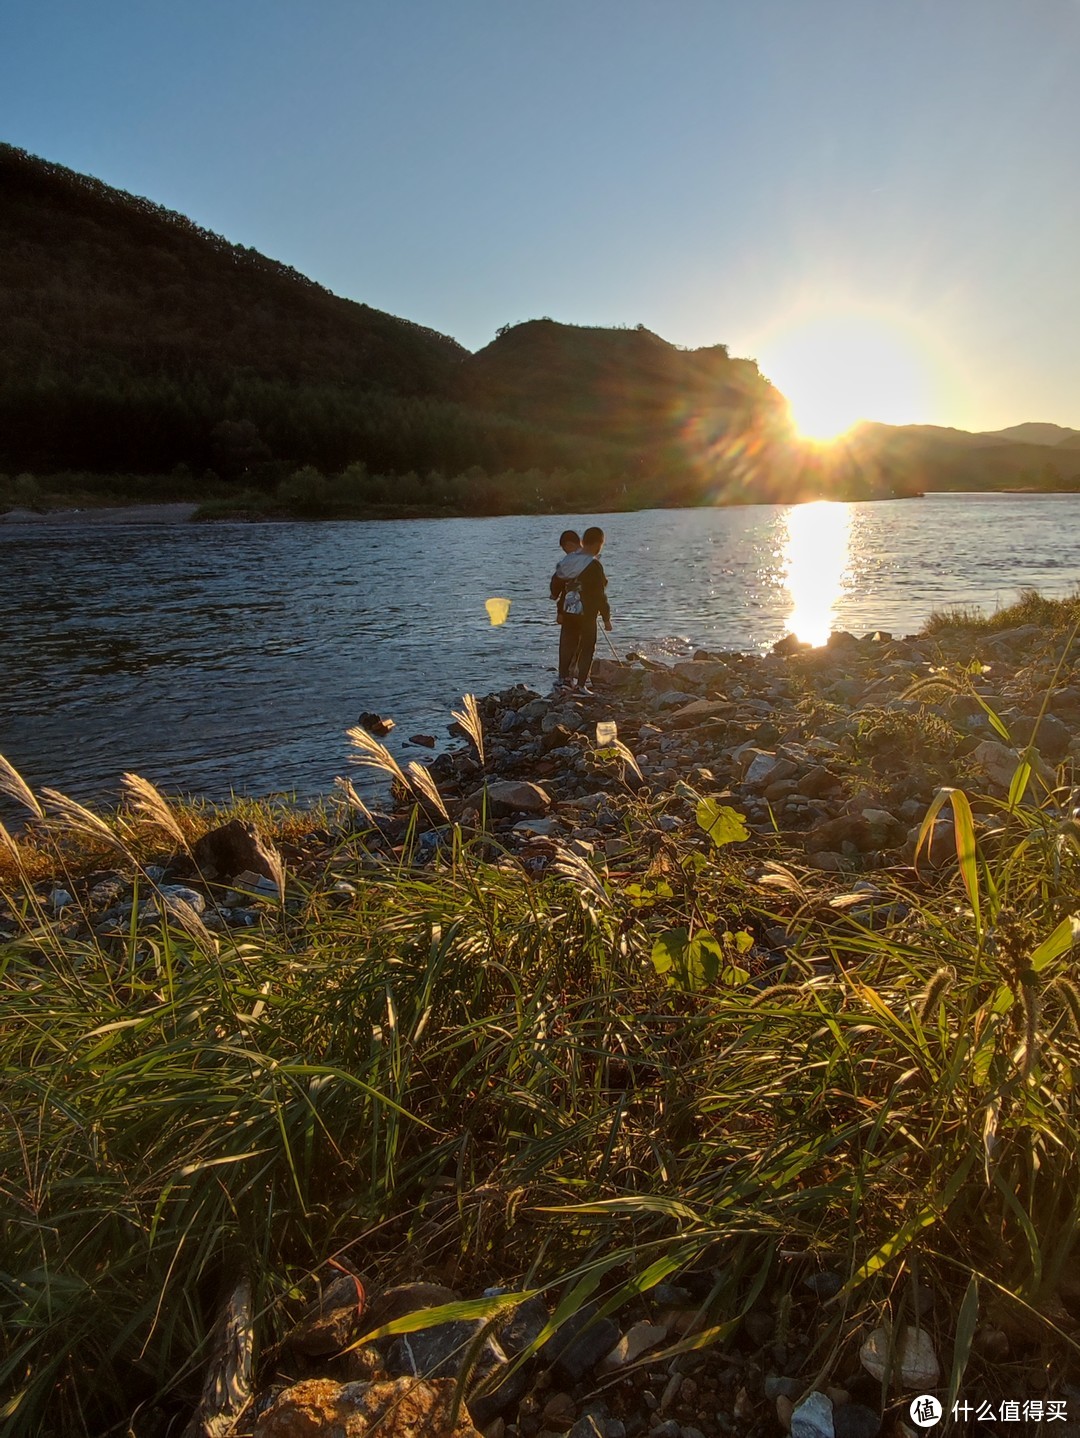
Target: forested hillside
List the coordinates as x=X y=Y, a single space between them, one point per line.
x=136 y=341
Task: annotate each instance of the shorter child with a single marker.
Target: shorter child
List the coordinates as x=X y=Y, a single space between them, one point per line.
x=569 y=543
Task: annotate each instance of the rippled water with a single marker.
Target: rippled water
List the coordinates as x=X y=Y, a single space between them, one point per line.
x=228 y=657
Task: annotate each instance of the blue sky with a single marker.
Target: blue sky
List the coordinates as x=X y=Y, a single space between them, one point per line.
x=739 y=173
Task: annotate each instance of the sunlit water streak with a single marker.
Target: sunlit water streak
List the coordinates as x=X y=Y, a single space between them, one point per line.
x=816 y=558
x=235 y=656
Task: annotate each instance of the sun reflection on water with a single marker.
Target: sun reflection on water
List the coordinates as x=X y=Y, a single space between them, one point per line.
x=815 y=563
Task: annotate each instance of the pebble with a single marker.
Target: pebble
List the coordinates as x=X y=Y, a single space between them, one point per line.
x=813 y=1418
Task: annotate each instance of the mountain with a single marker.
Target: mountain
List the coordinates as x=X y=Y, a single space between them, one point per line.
x=627 y=384
x=1034 y=433
x=137 y=341
x=932 y=459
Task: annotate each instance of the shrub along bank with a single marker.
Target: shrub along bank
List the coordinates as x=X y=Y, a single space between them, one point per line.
x=592 y=1023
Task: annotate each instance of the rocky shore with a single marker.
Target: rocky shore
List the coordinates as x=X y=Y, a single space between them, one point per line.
x=833 y=752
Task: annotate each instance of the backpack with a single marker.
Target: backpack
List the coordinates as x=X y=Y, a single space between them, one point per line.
x=571 y=603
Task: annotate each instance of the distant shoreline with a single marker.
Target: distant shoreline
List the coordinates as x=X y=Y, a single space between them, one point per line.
x=186 y=512
x=120 y=514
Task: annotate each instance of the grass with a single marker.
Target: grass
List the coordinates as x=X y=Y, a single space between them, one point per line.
x=1030 y=607
x=579 y=1084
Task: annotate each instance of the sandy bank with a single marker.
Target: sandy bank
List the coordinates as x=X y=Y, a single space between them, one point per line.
x=123 y=514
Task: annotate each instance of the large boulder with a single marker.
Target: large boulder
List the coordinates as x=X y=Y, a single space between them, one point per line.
x=236 y=848
x=511 y=796
x=401 y=1408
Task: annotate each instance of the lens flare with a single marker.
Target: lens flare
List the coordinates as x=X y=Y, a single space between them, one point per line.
x=837 y=369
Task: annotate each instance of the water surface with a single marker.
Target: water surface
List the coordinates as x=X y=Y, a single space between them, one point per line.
x=232 y=657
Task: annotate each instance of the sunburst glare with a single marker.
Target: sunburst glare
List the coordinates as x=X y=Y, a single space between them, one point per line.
x=837 y=369
x=815 y=566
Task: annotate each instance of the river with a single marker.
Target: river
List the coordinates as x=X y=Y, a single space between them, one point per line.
x=230 y=657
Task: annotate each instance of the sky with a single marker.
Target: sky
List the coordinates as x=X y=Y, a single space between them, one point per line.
x=877 y=200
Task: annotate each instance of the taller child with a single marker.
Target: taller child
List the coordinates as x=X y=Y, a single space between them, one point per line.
x=580 y=586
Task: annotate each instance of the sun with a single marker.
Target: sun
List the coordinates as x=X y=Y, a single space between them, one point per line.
x=836 y=369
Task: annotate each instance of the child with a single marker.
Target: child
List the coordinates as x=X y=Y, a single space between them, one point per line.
x=578 y=585
x=570 y=544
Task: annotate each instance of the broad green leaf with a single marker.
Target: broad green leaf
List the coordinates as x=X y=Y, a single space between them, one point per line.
x=964 y=828
x=732 y=977
x=694 y=963
x=1059 y=942
x=1020 y=779
x=722 y=823
x=1002 y=1001
x=668 y=951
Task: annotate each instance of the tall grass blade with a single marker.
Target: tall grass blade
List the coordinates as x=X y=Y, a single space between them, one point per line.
x=15 y=787
x=468 y=716
x=151 y=804
x=424 y=786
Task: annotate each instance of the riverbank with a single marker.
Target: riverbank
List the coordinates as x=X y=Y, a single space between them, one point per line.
x=105 y=514
x=727 y=1023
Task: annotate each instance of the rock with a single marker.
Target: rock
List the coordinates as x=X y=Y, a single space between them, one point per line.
x=939 y=846
x=426 y=741
x=537 y=828
x=524 y=1327
x=106 y=891
x=60 y=899
x=1051 y=737
x=169 y=896
x=249 y=883
x=784 y=1409
x=813 y=1418
x=236 y=848
x=636 y=1341
x=607 y=672
x=789 y=645
x=580 y=1344
x=436 y=1352
x=700 y=674
x=403 y=1408
x=511 y=796
x=855 y=1420
x=824 y=1285
x=776 y=1386
x=558 y=1412
x=700 y=711
x=588 y=1427
x=375 y=723
x=534 y=710
x=332 y=1322
x=852 y=829
x=767 y=769
x=915 y=1364
x=405 y=1298
x=997 y=761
